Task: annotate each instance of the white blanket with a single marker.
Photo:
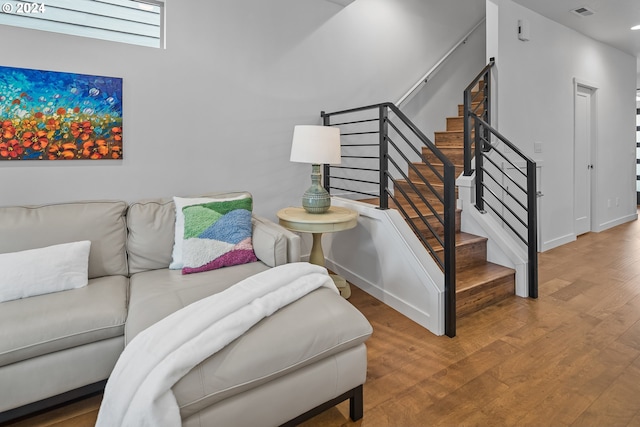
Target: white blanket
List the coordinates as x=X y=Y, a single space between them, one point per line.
x=139 y=393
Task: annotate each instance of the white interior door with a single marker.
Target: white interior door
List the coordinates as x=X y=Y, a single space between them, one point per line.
x=583 y=164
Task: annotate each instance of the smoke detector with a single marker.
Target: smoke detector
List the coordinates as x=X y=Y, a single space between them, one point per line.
x=583 y=11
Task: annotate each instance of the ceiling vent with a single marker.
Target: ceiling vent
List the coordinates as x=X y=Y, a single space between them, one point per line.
x=583 y=11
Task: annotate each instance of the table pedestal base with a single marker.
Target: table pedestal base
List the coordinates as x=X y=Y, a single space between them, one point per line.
x=342 y=285
x=317 y=257
x=335 y=219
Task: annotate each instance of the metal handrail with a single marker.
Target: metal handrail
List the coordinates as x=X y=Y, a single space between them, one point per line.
x=485 y=102
x=425 y=78
x=392 y=153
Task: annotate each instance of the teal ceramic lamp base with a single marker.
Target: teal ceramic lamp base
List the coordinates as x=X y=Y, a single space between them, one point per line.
x=316 y=199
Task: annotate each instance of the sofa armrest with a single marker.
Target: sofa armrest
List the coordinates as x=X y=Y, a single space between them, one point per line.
x=274 y=245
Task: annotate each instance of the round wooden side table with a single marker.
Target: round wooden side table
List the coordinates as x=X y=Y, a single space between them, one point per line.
x=335 y=219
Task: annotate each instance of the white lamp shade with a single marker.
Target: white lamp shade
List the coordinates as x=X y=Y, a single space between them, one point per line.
x=316 y=145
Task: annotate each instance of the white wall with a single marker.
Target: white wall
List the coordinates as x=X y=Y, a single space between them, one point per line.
x=535 y=103
x=216 y=109
x=440 y=96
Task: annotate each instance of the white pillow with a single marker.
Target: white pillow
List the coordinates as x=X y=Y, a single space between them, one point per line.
x=44 y=270
x=177 y=262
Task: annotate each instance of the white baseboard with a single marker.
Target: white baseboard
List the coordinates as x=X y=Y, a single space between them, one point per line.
x=559 y=241
x=400 y=305
x=616 y=222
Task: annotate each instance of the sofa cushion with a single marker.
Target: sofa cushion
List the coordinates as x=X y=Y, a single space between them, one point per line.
x=157 y=293
x=101 y=222
x=318 y=325
x=150 y=239
x=44 y=324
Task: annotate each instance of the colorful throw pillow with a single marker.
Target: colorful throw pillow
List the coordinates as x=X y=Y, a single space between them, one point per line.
x=217 y=234
x=180 y=203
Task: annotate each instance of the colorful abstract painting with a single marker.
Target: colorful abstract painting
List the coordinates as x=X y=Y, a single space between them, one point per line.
x=47 y=115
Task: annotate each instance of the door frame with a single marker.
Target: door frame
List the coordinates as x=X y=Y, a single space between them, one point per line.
x=637 y=146
x=593 y=88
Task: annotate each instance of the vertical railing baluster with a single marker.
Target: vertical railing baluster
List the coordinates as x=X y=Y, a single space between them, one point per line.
x=486 y=99
x=384 y=151
x=326 y=174
x=479 y=165
x=467 y=133
x=450 y=250
x=487 y=95
x=532 y=223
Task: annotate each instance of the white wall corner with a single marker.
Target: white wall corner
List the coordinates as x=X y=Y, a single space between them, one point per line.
x=342 y=3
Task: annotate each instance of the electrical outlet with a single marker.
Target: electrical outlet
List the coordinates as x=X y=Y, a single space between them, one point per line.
x=537 y=147
x=608 y=203
x=617 y=201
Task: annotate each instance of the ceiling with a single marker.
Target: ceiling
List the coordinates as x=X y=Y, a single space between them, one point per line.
x=610 y=23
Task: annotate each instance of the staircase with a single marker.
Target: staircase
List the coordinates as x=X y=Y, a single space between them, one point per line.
x=479 y=283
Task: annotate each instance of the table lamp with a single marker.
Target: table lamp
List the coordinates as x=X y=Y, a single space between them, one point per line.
x=316 y=145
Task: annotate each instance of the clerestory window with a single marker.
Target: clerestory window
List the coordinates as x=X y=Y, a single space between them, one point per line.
x=126 y=21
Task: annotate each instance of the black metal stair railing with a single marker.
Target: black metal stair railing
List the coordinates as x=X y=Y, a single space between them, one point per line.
x=507 y=190
x=379 y=145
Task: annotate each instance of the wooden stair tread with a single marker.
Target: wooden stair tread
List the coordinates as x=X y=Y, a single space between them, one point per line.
x=437 y=164
x=419 y=207
x=462 y=239
x=480 y=274
x=449 y=132
x=475 y=106
x=449 y=139
x=428 y=215
x=435 y=185
x=422 y=208
x=421 y=172
x=447 y=151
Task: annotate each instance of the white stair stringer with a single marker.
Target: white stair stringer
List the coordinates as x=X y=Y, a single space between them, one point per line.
x=383 y=257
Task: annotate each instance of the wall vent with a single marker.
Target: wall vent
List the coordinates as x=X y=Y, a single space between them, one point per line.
x=583 y=11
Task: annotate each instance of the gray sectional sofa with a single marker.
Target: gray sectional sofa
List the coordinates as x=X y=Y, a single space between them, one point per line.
x=55 y=347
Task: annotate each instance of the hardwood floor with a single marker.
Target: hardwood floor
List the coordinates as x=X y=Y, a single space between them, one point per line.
x=569 y=358
x=82 y=413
